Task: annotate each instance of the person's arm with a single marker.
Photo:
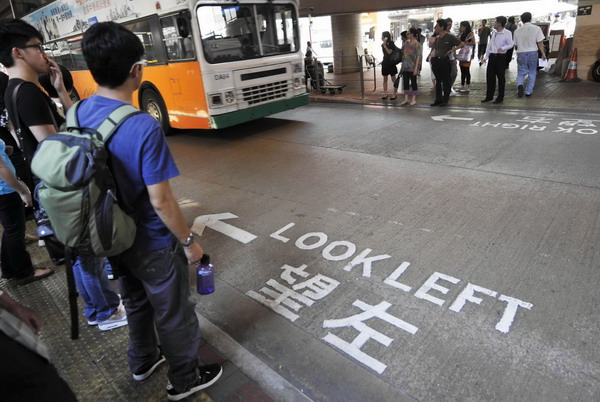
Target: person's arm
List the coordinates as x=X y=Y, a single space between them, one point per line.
x=419 y=57
x=164 y=203
x=9 y=178
x=43 y=131
x=28 y=316
x=460 y=45
x=58 y=83
x=542 y=50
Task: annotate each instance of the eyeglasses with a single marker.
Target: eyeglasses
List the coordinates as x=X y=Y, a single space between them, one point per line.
x=38 y=46
x=142 y=63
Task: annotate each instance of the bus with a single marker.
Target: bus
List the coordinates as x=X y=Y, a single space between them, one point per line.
x=211 y=64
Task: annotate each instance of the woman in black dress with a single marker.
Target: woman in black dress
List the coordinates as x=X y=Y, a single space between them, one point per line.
x=387 y=67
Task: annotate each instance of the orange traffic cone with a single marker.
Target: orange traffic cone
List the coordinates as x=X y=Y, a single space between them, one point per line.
x=571 y=75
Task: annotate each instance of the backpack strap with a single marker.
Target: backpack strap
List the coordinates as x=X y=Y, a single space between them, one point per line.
x=72 y=120
x=114 y=120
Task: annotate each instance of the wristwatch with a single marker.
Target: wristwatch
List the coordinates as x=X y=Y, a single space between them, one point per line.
x=188 y=240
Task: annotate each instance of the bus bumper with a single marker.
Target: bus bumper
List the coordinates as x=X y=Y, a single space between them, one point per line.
x=256 y=112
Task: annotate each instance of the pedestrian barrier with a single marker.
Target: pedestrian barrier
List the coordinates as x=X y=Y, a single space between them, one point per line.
x=571 y=75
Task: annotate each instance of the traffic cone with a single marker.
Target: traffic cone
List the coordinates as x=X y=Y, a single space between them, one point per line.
x=571 y=75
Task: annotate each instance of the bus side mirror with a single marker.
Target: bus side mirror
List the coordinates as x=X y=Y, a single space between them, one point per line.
x=182 y=27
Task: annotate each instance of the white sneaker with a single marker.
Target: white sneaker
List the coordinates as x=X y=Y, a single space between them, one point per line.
x=116 y=320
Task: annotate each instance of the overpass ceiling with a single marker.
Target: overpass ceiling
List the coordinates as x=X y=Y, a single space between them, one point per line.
x=330 y=7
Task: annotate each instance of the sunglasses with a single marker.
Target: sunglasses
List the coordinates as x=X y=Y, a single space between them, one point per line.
x=142 y=63
x=38 y=46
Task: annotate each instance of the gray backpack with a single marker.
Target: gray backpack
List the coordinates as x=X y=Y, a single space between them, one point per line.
x=78 y=190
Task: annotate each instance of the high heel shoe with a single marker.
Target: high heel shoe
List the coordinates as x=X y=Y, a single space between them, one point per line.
x=384 y=97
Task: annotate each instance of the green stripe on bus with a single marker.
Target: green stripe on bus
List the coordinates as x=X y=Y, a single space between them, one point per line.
x=256 y=112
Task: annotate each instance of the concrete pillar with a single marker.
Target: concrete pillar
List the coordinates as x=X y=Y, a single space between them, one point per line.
x=347 y=36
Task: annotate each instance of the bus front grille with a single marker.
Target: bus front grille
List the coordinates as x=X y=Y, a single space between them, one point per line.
x=265 y=92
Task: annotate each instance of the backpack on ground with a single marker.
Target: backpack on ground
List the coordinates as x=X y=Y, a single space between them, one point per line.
x=78 y=191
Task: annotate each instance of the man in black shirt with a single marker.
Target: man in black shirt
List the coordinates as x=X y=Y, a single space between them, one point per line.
x=440 y=62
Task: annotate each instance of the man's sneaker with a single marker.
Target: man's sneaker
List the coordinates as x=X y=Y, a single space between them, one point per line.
x=520 y=91
x=144 y=374
x=91 y=323
x=208 y=376
x=116 y=320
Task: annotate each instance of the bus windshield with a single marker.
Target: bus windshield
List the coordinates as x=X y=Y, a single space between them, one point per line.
x=247 y=31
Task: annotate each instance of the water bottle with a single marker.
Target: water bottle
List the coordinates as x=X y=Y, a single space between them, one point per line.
x=205 y=276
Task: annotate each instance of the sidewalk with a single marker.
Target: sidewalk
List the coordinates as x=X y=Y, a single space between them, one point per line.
x=95 y=365
x=549 y=93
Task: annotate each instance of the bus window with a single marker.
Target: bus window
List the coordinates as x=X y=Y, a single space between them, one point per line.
x=228 y=33
x=247 y=31
x=177 y=37
x=78 y=62
x=278 y=30
x=148 y=32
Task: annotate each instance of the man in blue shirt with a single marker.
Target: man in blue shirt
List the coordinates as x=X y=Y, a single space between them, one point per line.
x=154 y=272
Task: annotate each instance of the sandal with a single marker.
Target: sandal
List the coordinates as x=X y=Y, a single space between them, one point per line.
x=404 y=103
x=384 y=97
x=413 y=103
x=33 y=277
x=394 y=98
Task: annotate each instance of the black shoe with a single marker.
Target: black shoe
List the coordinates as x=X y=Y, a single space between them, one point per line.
x=497 y=101
x=486 y=100
x=145 y=374
x=208 y=375
x=520 y=91
x=528 y=95
x=33 y=277
x=443 y=104
x=436 y=103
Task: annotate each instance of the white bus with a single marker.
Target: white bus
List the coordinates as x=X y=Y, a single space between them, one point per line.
x=212 y=64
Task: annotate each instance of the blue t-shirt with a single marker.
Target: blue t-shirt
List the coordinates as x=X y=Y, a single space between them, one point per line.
x=5 y=188
x=139 y=157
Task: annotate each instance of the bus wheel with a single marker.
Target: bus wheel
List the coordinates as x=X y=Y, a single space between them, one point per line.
x=153 y=104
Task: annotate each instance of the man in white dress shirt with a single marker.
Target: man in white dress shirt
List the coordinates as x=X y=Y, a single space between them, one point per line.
x=528 y=39
x=500 y=43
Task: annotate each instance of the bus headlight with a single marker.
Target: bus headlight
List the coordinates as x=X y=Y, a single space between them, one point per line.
x=298 y=68
x=216 y=100
x=297 y=82
x=229 y=97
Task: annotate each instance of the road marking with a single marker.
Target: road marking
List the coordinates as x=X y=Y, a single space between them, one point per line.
x=214 y=222
x=448 y=117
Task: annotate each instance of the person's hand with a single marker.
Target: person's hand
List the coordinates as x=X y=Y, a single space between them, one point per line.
x=25 y=194
x=28 y=316
x=56 y=76
x=193 y=253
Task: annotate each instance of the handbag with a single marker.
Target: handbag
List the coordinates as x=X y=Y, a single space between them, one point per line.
x=396 y=56
x=465 y=53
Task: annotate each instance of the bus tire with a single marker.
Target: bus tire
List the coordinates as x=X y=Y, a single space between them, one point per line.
x=596 y=71
x=153 y=104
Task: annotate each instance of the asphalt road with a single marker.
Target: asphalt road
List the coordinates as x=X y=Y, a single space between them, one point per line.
x=369 y=253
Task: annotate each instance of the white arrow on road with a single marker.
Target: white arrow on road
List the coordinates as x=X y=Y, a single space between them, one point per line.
x=446 y=117
x=214 y=222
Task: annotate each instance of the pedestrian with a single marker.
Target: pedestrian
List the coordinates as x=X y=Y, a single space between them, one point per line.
x=445 y=44
x=512 y=27
x=369 y=60
x=431 y=43
x=528 y=40
x=452 y=57
x=411 y=59
x=500 y=43
x=421 y=39
x=467 y=36
x=14 y=258
x=388 y=68
x=22 y=53
x=484 y=35
x=26 y=373
x=154 y=271
x=15 y=195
